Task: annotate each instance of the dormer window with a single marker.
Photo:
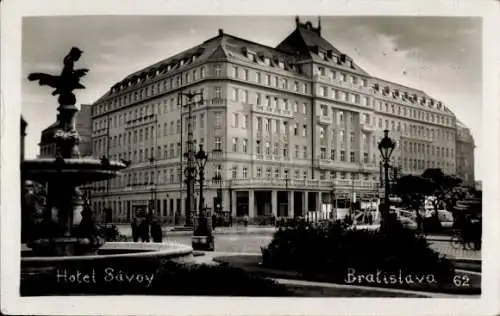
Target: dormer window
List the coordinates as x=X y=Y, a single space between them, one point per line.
x=267 y=61
x=182 y=62
x=321 y=55
x=281 y=64
x=376 y=87
x=351 y=64
x=335 y=59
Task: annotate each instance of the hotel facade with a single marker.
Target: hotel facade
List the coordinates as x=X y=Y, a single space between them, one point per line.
x=287 y=129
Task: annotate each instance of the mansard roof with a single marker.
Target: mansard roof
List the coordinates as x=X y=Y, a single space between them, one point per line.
x=306 y=41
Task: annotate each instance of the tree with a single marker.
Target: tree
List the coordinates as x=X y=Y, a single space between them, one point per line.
x=412 y=190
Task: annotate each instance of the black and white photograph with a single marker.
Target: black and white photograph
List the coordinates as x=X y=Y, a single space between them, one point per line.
x=258 y=157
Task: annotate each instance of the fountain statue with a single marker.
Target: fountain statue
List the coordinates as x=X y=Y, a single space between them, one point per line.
x=62 y=231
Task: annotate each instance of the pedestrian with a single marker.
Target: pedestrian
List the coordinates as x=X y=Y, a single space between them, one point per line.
x=214 y=221
x=156 y=231
x=144 y=230
x=135 y=233
x=245 y=219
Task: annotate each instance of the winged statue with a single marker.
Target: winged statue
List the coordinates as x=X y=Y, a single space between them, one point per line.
x=65 y=83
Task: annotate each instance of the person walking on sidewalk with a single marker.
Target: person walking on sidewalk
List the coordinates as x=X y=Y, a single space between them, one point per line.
x=135 y=228
x=156 y=231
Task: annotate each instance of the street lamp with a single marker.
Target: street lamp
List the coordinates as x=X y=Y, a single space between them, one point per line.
x=201 y=160
x=386 y=147
x=286 y=190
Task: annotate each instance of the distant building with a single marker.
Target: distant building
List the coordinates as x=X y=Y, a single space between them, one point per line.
x=83 y=124
x=465 y=154
x=297 y=124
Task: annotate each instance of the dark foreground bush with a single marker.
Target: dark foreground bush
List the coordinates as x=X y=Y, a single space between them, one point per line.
x=148 y=278
x=330 y=249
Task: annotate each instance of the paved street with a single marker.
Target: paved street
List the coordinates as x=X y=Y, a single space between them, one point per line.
x=251 y=239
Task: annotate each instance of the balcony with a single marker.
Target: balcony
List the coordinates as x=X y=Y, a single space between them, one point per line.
x=304 y=184
x=367 y=127
x=272 y=111
x=324 y=119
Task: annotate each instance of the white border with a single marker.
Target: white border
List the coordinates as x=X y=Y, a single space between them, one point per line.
x=13 y=10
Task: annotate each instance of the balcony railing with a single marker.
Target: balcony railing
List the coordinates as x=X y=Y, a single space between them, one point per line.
x=306 y=183
x=271 y=110
x=324 y=119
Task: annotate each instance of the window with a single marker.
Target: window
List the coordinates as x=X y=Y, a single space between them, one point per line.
x=218 y=120
x=268 y=79
x=323 y=91
x=244 y=123
x=296 y=86
x=258 y=77
x=284 y=84
x=245 y=74
x=202 y=121
x=332 y=154
x=218 y=93
x=259 y=172
x=304 y=152
x=268 y=148
x=218 y=143
x=304 y=130
x=235 y=120
x=245 y=96
x=321 y=132
x=285 y=150
x=268 y=173
x=295 y=129
x=245 y=172
x=295 y=107
x=342 y=155
x=304 y=108
x=324 y=110
x=296 y=151
x=235 y=72
x=276 y=149
x=234 y=172
x=323 y=153
x=245 y=145
x=235 y=94
x=235 y=144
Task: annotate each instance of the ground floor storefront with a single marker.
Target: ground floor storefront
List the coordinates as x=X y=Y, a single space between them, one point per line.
x=259 y=206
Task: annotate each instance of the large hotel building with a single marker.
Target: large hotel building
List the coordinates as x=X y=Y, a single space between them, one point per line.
x=294 y=127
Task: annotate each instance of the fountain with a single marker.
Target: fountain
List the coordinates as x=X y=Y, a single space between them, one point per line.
x=67 y=233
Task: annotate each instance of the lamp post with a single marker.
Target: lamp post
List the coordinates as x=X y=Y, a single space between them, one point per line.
x=386 y=147
x=189 y=172
x=286 y=191
x=201 y=160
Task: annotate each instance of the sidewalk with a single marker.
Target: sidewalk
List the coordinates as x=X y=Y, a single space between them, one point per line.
x=126 y=230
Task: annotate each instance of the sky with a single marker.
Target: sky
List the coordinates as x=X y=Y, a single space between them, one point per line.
x=439 y=55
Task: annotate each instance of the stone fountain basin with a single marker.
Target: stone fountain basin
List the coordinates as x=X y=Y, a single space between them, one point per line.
x=111 y=254
x=74 y=171
x=118 y=267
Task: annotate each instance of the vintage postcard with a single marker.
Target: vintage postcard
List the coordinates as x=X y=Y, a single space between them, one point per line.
x=188 y=158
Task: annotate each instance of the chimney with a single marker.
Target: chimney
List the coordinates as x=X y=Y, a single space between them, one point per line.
x=221 y=32
x=318 y=29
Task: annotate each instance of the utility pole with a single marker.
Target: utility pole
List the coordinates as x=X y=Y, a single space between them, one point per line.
x=190 y=170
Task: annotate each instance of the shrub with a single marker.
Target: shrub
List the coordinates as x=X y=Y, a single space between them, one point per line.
x=329 y=248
